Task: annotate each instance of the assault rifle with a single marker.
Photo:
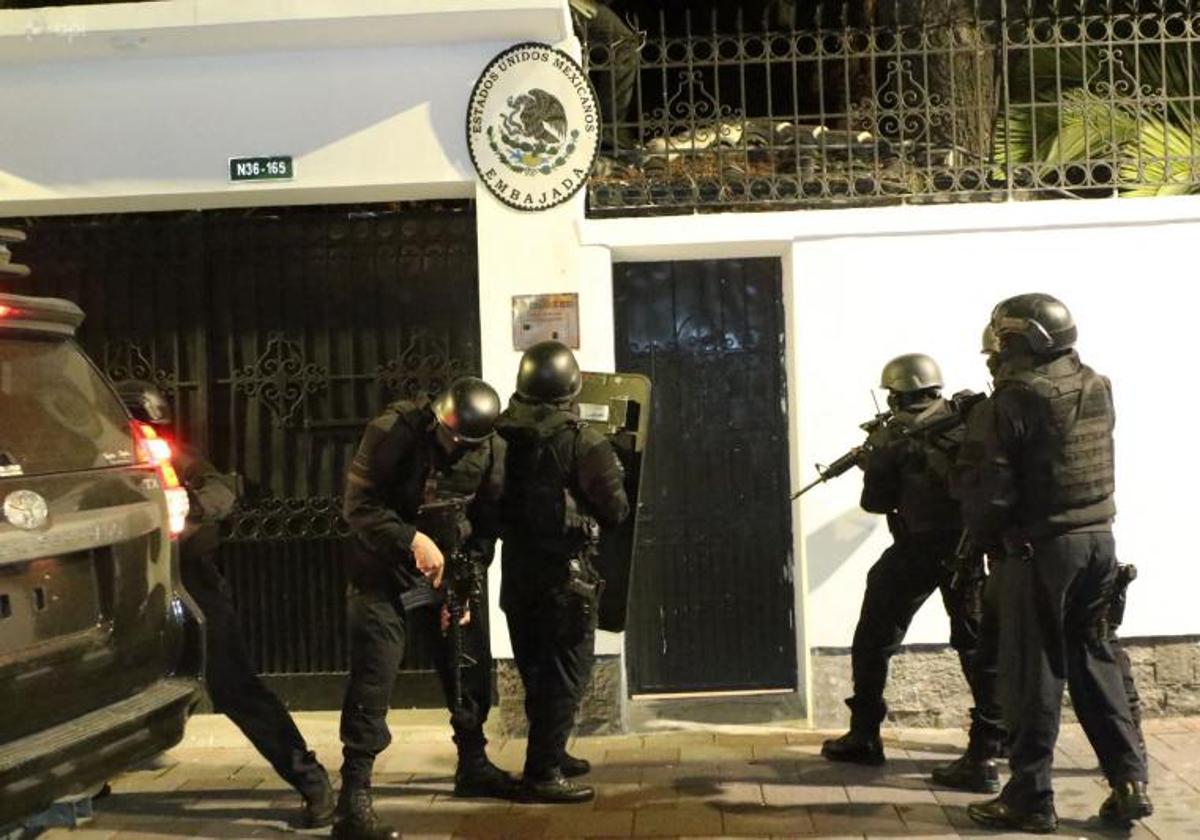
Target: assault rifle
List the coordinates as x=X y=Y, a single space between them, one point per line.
x=960 y=405
x=445 y=521
x=844 y=463
x=968 y=574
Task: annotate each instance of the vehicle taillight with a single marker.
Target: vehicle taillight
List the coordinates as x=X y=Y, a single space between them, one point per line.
x=177 y=509
x=156 y=452
x=5 y=311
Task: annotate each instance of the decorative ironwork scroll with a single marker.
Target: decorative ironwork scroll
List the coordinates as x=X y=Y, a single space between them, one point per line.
x=125 y=359
x=426 y=365
x=281 y=378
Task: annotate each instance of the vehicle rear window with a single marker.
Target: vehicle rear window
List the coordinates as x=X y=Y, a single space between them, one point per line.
x=56 y=412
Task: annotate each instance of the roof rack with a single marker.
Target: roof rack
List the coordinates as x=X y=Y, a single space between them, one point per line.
x=8 y=268
x=36 y=314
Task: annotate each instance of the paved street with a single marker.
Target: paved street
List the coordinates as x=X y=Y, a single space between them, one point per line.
x=732 y=781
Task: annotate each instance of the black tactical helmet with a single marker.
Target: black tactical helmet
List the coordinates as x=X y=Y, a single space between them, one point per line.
x=468 y=408
x=144 y=401
x=1043 y=321
x=910 y=372
x=990 y=343
x=549 y=373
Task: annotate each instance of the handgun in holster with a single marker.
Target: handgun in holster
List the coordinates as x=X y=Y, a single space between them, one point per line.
x=1115 y=615
x=1111 y=613
x=583 y=581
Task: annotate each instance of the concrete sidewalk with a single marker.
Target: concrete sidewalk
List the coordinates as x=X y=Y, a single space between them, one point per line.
x=688 y=781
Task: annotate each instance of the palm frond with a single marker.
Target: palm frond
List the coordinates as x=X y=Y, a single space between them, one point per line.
x=1161 y=159
x=1075 y=105
x=1089 y=128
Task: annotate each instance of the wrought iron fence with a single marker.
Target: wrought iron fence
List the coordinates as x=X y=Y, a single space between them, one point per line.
x=893 y=101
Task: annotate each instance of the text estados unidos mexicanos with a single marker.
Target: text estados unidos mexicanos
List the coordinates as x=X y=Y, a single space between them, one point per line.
x=574 y=77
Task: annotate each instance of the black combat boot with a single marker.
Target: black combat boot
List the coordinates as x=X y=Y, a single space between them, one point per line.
x=861 y=745
x=996 y=813
x=856 y=747
x=555 y=789
x=319 y=803
x=357 y=820
x=477 y=777
x=976 y=770
x=1128 y=801
x=572 y=766
x=969 y=772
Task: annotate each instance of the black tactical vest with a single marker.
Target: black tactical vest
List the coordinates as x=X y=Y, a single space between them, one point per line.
x=1071 y=466
x=536 y=485
x=924 y=502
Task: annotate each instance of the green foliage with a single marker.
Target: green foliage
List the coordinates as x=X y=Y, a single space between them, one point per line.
x=1130 y=107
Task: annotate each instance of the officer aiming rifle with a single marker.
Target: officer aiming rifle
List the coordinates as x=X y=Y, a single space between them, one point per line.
x=960 y=404
x=906 y=462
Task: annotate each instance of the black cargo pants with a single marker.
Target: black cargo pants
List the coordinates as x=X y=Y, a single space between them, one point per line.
x=234 y=685
x=553 y=633
x=899 y=583
x=379 y=628
x=1048 y=639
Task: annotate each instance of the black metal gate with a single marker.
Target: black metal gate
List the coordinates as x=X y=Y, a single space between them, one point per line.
x=713 y=596
x=278 y=333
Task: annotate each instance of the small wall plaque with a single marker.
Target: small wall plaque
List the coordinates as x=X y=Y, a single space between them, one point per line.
x=545 y=317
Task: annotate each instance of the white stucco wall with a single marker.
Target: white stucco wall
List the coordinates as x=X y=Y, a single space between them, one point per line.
x=139 y=106
x=157 y=133
x=867 y=285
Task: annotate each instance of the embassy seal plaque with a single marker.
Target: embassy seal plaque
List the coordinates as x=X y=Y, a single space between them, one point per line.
x=533 y=126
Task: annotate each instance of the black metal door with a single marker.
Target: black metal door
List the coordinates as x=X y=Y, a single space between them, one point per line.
x=278 y=333
x=712 y=606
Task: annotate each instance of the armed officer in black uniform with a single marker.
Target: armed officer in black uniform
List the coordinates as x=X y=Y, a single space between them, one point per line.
x=616 y=48
x=1041 y=489
x=906 y=475
x=411 y=455
x=230 y=676
x=563 y=482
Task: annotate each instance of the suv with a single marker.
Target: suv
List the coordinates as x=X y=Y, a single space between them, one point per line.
x=100 y=646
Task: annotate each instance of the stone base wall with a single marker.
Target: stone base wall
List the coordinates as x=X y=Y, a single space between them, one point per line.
x=926 y=686
x=603 y=711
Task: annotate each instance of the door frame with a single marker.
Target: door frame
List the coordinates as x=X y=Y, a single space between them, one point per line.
x=677 y=238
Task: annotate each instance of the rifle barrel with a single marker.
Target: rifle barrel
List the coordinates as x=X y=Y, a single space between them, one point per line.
x=808 y=487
